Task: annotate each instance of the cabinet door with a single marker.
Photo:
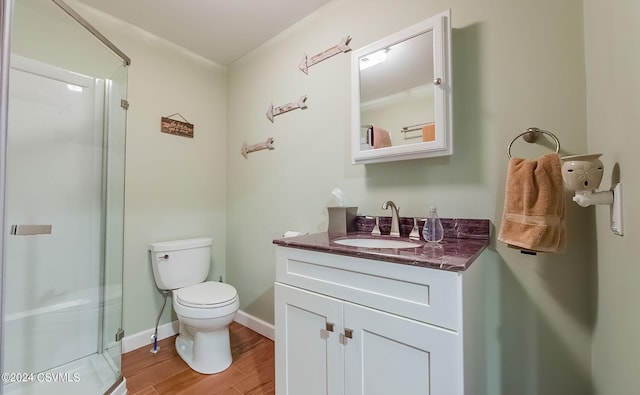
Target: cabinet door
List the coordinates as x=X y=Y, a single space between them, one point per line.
x=388 y=354
x=309 y=358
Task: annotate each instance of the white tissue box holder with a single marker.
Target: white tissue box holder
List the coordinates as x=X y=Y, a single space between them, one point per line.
x=342 y=219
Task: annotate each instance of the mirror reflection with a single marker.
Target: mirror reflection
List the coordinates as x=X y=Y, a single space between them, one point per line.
x=397 y=94
x=401 y=94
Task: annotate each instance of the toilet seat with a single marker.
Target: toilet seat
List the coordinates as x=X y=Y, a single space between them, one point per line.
x=207 y=295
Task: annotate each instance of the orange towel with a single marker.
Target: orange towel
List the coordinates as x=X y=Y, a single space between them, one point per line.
x=380 y=137
x=429 y=132
x=534 y=205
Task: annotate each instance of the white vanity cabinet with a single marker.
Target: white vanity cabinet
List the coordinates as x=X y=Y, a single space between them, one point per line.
x=350 y=325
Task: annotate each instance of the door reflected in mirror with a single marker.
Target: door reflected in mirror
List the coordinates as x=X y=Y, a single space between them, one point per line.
x=401 y=94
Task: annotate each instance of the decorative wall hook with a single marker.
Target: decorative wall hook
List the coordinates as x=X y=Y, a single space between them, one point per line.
x=272 y=112
x=343 y=46
x=246 y=149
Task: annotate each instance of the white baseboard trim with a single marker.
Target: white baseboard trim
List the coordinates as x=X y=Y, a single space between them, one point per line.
x=141 y=339
x=256 y=324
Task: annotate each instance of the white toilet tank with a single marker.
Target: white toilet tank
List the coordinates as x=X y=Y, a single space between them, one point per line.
x=180 y=263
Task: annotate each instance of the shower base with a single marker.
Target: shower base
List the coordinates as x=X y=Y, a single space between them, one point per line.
x=93 y=374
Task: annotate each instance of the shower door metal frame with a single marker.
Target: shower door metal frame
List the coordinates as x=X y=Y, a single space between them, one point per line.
x=6 y=7
x=78 y=18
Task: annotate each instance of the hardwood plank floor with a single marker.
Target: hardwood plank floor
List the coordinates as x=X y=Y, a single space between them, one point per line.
x=252 y=371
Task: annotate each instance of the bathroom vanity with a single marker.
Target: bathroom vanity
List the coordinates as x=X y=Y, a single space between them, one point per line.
x=353 y=320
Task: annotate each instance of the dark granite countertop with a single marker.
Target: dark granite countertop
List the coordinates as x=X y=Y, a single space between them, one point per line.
x=464 y=240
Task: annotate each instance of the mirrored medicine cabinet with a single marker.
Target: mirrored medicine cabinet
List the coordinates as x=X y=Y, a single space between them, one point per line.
x=401 y=94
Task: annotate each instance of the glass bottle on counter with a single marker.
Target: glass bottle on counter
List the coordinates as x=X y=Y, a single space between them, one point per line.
x=433 y=232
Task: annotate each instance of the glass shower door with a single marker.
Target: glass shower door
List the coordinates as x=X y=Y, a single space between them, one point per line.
x=53 y=179
x=65 y=188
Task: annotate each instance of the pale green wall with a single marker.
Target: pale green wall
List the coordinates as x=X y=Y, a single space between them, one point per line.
x=175 y=186
x=516 y=65
x=613 y=116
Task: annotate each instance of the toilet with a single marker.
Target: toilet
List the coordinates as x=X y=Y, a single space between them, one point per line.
x=205 y=309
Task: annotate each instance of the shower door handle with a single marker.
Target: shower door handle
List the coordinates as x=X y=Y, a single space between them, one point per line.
x=30 y=230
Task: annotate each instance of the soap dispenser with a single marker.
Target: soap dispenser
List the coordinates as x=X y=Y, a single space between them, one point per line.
x=433 y=232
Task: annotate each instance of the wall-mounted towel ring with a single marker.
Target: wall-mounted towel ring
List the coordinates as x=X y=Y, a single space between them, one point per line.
x=530 y=136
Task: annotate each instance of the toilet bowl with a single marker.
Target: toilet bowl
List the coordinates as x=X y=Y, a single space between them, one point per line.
x=204 y=308
x=204 y=312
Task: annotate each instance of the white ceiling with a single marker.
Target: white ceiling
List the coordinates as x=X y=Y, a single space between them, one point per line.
x=219 y=30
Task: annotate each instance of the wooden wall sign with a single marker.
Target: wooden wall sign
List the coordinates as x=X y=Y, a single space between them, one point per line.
x=179 y=128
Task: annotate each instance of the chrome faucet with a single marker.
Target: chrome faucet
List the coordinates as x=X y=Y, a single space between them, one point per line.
x=395 y=223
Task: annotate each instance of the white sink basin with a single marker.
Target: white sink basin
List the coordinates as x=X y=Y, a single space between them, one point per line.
x=378 y=243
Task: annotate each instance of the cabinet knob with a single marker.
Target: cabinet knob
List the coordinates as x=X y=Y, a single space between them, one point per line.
x=348 y=334
x=437 y=81
x=324 y=333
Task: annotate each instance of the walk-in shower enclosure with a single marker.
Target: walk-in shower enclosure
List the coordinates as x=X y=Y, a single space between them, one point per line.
x=63 y=156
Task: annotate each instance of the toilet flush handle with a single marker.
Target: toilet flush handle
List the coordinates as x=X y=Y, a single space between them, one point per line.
x=166 y=256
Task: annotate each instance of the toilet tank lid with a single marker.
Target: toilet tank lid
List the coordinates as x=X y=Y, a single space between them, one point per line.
x=180 y=244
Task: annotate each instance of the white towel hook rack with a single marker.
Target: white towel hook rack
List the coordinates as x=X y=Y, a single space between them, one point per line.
x=531 y=136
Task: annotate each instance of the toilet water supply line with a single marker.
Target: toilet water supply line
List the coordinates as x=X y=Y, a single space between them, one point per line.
x=154 y=337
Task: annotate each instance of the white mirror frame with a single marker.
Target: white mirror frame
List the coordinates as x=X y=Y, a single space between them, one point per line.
x=440 y=24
